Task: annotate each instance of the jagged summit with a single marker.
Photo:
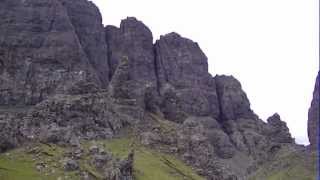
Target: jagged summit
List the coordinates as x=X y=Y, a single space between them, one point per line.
x=75 y=80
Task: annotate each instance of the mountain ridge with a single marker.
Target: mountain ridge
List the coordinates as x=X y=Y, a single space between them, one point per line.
x=66 y=79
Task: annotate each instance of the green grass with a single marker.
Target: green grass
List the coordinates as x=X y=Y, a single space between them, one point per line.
x=149 y=164
x=20 y=164
x=297 y=166
x=17 y=167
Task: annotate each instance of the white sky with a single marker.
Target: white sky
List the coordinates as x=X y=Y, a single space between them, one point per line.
x=270 y=46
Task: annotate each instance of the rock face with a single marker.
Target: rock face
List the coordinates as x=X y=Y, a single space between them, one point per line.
x=65 y=78
x=87 y=22
x=313 y=116
x=183 y=79
x=92 y=116
x=41 y=53
x=134 y=40
x=279 y=131
x=234 y=103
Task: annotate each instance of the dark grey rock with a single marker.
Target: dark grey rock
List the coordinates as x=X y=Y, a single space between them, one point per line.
x=185 y=85
x=119 y=87
x=180 y=62
x=213 y=133
x=89 y=116
x=10 y=131
x=279 y=131
x=84 y=81
x=204 y=146
x=70 y=165
x=134 y=40
x=40 y=53
x=234 y=103
x=94 y=149
x=122 y=170
x=150 y=138
x=87 y=22
x=100 y=160
x=313 y=116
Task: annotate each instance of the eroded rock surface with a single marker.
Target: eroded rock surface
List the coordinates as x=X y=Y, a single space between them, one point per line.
x=83 y=81
x=40 y=52
x=134 y=40
x=313 y=116
x=279 y=131
x=87 y=22
x=234 y=103
x=184 y=83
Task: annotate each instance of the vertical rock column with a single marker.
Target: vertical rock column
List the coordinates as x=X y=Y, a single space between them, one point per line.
x=186 y=87
x=87 y=22
x=134 y=40
x=313 y=116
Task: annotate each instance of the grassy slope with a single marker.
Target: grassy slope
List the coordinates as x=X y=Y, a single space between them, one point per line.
x=150 y=164
x=19 y=164
x=291 y=166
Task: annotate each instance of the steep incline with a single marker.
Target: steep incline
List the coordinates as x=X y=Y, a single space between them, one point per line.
x=64 y=79
x=313 y=116
x=46 y=48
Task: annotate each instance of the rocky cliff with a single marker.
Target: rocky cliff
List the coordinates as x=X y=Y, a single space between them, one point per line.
x=313 y=116
x=66 y=79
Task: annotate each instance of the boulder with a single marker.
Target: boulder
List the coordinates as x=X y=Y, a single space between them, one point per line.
x=70 y=165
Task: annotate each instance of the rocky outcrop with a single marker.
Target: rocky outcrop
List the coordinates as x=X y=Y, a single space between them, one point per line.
x=41 y=53
x=234 y=103
x=83 y=81
x=110 y=167
x=278 y=131
x=313 y=116
x=63 y=118
x=134 y=40
x=87 y=22
x=185 y=85
x=10 y=124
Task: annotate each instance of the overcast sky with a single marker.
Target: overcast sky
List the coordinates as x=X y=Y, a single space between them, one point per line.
x=271 y=46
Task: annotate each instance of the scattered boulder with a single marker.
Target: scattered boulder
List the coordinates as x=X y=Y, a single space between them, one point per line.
x=70 y=165
x=94 y=149
x=100 y=160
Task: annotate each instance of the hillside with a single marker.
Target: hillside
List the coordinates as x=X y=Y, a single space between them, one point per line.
x=82 y=101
